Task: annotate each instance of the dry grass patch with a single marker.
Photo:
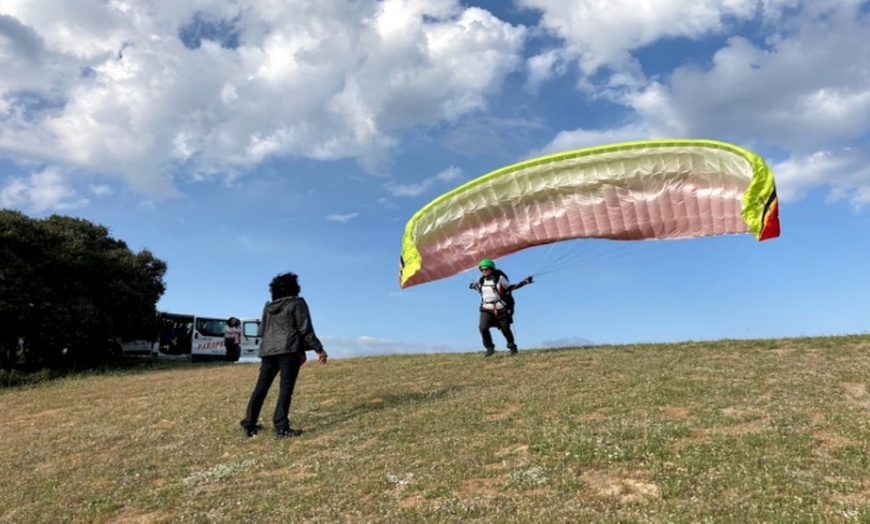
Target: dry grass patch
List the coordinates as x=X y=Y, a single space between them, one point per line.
x=737 y=431
x=624 y=487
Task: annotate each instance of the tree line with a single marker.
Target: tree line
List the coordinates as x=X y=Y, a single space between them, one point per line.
x=70 y=293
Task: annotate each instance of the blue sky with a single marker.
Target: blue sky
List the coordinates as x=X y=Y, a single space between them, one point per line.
x=239 y=139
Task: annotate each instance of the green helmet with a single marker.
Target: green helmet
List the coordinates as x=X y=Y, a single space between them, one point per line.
x=486 y=263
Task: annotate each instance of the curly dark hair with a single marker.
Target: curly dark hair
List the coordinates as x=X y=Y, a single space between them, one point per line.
x=284 y=285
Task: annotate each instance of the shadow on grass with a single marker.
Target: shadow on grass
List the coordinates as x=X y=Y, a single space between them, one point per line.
x=382 y=403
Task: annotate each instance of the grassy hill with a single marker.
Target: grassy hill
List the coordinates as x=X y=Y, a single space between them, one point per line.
x=765 y=430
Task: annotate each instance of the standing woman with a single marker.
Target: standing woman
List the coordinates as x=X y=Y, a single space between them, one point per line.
x=286 y=333
x=233 y=339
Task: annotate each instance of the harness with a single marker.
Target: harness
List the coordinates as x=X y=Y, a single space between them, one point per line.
x=492 y=296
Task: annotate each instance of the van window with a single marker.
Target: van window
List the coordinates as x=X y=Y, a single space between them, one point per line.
x=250 y=329
x=210 y=327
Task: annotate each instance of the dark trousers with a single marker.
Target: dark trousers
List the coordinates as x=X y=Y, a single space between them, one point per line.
x=503 y=322
x=234 y=351
x=288 y=366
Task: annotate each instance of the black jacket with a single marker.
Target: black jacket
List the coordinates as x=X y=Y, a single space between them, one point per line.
x=286 y=328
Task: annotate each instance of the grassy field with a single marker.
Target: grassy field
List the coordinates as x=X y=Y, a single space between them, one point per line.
x=739 y=431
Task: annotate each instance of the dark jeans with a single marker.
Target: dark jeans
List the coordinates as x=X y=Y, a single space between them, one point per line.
x=288 y=365
x=234 y=351
x=502 y=322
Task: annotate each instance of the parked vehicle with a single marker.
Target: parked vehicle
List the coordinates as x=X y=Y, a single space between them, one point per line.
x=194 y=337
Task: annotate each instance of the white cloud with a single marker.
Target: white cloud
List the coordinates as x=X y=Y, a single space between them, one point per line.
x=846 y=172
x=101 y=190
x=807 y=90
x=543 y=66
x=405 y=190
x=807 y=94
x=111 y=88
x=116 y=88
x=801 y=91
x=603 y=34
x=41 y=191
x=580 y=138
x=365 y=345
x=341 y=218
x=570 y=342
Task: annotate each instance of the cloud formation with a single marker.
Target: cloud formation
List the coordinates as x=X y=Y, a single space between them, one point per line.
x=44 y=190
x=451 y=174
x=148 y=90
x=800 y=92
x=364 y=346
x=152 y=92
x=337 y=217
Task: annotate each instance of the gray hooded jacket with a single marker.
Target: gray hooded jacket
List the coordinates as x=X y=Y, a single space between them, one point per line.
x=286 y=328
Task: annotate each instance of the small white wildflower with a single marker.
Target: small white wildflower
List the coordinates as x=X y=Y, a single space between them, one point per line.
x=400 y=481
x=219 y=472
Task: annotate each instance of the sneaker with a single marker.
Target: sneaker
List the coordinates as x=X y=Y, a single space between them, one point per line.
x=250 y=431
x=287 y=433
x=489 y=353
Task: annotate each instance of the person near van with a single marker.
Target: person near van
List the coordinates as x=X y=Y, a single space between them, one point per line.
x=233 y=339
x=287 y=333
x=496 y=304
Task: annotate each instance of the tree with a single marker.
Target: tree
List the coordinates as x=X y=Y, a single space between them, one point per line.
x=69 y=291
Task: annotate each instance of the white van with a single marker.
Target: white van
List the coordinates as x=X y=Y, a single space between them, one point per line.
x=196 y=338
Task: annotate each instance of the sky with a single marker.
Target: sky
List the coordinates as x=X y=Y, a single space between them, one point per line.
x=239 y=139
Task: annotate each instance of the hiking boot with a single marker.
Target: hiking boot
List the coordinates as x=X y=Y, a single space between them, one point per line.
x=489 y=352
x=287 y=433
x=250 y=431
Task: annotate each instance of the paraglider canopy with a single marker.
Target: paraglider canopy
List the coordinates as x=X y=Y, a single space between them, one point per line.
x=657 y=189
